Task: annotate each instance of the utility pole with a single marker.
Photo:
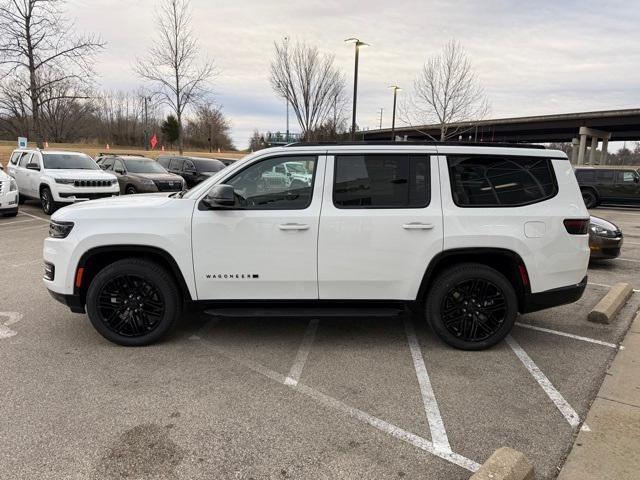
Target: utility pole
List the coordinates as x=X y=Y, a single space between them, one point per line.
x=395 y=89
x=146 y=123
x=380 y=117
x=209 y=137
x=357 y=44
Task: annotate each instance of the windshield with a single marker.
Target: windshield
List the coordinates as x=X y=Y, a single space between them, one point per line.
x=68 y=161
x=297 y=168
x=143 y=166
x=207 y=164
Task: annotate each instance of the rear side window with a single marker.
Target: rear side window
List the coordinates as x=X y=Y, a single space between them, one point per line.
x=586 y=176
x=164 y=161
x=604 y=176
x=500 y=181
x=381 y=181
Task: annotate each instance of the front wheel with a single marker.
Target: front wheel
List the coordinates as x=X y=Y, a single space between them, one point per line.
x=133 y=302
x=590 y=198
x=46 y=200
x=471 y=306
x=130 y=190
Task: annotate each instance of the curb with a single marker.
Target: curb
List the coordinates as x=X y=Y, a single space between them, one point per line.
x=611 y=303
x=609 y=448
x=505 y=464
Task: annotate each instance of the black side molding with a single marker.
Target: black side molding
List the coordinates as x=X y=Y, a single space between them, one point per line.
x=72 y=301
x=532 y=302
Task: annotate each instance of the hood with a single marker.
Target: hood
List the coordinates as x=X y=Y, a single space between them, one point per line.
x=81 y=174
x=124 y=206
x=158 y=176
x=4 y=176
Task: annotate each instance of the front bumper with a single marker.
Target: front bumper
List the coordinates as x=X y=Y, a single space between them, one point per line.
x=532 y=302
x=71 y=194
x=74 y=302
x=604 y=247
x=9 y=202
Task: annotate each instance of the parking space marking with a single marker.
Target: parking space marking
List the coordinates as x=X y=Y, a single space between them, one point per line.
x=5 y=331
x=34 y=216
x=635 y=290
x=626 y=260
x=17 y=221
x=379 y=424
x=556 y=397
x=569 y=335
x=303 y=353
x=36 y=227
x=436 y=425
x=30 y=262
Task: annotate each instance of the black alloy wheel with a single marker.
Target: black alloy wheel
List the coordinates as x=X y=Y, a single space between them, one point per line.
x=590 y=198
x=131 y=190
x=471 y=306
x=46 y=200
x=130 y=305
x=133 y=302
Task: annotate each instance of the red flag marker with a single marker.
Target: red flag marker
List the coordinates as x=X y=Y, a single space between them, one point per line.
x=154 y=141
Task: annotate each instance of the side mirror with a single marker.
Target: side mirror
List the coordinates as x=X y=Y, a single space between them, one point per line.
x=220 y=196
x=102 y=167
x=33 y=166
x=120 y=172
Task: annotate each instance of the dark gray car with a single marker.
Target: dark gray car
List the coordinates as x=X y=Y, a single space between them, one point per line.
x=138 y=174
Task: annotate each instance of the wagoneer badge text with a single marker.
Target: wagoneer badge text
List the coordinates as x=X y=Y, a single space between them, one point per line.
x=229 y=276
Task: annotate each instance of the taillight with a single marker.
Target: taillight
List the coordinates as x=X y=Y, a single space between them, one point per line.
x=577 y=226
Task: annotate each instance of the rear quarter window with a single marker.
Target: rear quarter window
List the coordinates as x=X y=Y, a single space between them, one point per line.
x=500 y=181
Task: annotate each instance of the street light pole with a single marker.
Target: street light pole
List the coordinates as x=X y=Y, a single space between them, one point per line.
x=146 y=123
x=395 y=89
x=357 y=44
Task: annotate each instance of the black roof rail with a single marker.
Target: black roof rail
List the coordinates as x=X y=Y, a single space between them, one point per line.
x=417 y=142
x=117 y=154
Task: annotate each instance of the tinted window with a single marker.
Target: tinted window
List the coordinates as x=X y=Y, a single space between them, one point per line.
x=189 y=166
x=15 y=157
x=208 y=164
x=381 y=181
x=143 y=166
x=106 y=163
x=72 y=161
x=500 y=181
x=176 y=164
x=585 y=176
x=164 y=161
x=627 y=176
x=118 y=167
x=259 y=187
x=604 y=176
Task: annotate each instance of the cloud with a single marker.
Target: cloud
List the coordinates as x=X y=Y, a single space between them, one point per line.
x=541 y=58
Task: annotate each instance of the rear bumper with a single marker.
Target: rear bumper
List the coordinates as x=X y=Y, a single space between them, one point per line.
x=532 y=302
x=72 y=301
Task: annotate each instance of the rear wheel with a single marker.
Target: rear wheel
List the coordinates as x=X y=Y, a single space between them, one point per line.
x=133 y=302
x=46 y=200
x=590 y=198
x=471 y=306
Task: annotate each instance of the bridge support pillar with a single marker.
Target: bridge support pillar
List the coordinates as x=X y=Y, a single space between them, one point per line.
x=595 y=135
x=575 y=145
x=582 y=147
x=604 y=160
x=593 y=150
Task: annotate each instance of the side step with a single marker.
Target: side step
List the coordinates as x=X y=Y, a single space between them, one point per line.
x=311 y=311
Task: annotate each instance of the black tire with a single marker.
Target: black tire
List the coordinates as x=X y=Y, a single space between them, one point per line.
x=133 y=285
x=21 y=200
x=130 y=190
x=590 y=198
x=46 y=200
x=487 y=316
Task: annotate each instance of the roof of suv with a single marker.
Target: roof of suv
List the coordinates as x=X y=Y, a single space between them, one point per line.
x=607 y=167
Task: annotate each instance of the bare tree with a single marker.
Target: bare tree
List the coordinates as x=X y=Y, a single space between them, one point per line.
x=446 y=92
x=171 y=67
x=310 y=82
x=37 y=41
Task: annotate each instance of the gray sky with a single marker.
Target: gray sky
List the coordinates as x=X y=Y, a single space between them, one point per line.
x=532 y=57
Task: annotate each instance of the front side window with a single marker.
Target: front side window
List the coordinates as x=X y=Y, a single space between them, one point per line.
x=26 y=158
x=118 y=167
x=261 y=187
x=381 y=181
x=68 y=161
x=500 y=181
x=15 y=157
x=626 y=177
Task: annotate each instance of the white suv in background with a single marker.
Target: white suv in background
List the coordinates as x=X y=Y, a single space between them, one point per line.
x=57 y=178
x=8 y=195
x=469 y=236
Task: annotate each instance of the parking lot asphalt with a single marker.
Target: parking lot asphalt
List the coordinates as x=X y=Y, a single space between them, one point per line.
x=286 y=397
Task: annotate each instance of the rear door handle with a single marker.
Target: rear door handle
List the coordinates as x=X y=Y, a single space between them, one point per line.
x=417 y=226
x=293 y=226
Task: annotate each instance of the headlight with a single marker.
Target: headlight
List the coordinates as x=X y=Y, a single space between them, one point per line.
x=13 y=186
x=64 y=181
x=601 y=231
x=60 y=229
x=146 y=181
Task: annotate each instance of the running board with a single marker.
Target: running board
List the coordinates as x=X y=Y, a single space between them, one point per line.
x=304 y=311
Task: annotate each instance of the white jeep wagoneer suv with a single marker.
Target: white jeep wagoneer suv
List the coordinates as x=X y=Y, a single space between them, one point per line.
x=468 y=235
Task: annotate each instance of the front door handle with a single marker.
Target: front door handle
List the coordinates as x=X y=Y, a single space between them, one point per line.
x=418 y=226
x=293 y=226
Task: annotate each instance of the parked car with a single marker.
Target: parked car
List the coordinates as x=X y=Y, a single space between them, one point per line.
x=138 y=174
x=609 y=185
x=467 y=235
x=8 y=195
x=192 y=169
x=58 y=178
x=227 y=161
x=605 y=239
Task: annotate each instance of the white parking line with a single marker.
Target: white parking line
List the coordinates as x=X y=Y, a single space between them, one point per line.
x=303 y=353
x=5 y=331
x=626 y=260
x=635 y=290
x=569 y=335
x=556 y=397
x=30 y=262
x=436 y=425
x=16 y=221
x=36 y=227
x=34 y=216
x=360 y=415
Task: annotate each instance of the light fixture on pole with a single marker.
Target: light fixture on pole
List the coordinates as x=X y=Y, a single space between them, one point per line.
x=358 y=44
x=395 y=89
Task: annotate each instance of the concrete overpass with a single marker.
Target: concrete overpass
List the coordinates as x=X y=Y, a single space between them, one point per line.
x=584 y=129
